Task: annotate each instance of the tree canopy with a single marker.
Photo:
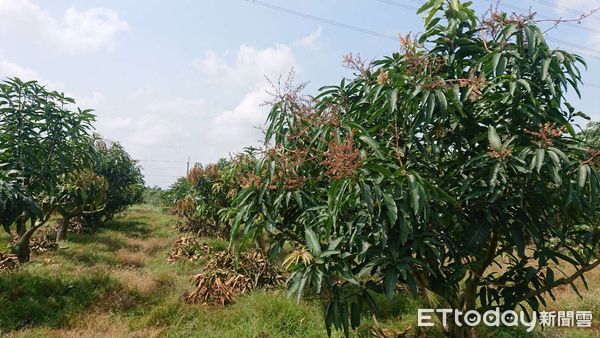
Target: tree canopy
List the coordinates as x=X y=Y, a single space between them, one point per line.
x=427 y=167
x=42 y=139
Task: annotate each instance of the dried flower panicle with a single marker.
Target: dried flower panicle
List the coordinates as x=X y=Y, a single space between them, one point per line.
x=500 y=154
x=357 y=63
x=250 y=180
x=383 y=77
x=288 y=161
x=195 y=174
x=546 y=134
x=342 y=159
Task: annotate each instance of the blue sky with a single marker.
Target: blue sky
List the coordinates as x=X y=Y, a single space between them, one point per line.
x=182 y=78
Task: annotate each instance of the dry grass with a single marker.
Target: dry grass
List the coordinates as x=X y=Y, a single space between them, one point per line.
x=149 y=246
x=136 y=280
x=95 y=326
x=116 y=300
x=130 y=258
x=568 y=300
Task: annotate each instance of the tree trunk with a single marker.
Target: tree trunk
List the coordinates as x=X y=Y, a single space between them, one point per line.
x=22 y=248
x=456 y=331
x=61 y=233
x=21 y=227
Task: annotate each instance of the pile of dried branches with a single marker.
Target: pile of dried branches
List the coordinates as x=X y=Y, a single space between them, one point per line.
x=188 y=248
x=8 y=262
x=203 y=228
x=41 y=244
x=227 y=276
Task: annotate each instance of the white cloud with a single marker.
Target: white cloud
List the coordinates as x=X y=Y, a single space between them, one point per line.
x=239 y=127
x=310 y=41
x=250 y=65
x=90 y=101
x=233 y=128
x=10 y=69
x=76 y=31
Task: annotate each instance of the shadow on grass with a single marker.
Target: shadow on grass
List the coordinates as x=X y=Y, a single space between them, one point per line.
x=131 y=227
x=28 y=300
x=112 y=243
x=90 y=258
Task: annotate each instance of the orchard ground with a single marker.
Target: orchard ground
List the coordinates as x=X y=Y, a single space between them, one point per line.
x=116 y=282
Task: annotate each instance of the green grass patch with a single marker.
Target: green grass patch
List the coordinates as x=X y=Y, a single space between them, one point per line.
x=29 y=299
x=87 y=287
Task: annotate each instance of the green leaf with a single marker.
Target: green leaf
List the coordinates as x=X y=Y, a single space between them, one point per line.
x=531 y=39
x=344 y=318
x=389 y=281
x=539 y=159
x=454 y=5
x=414 y=192
x=430 y=105
x=582 y=175
x=545 y=67
x=501 y=66
x=512 y=86
x=391 y=208
x=525 y=85
x=355 y=315
x=372 y=144
x=312 y=242
x=393 y=99
x=441 y=98
x=494 y=139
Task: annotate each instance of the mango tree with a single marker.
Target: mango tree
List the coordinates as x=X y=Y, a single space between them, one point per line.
x=430 y=166
x=123 y=176
x=42 y=138
x=209 y=193
x=82 y=193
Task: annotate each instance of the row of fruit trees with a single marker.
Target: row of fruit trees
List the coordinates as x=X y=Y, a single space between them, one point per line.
x=429 y=168
x=457 y=154
x=51 y=163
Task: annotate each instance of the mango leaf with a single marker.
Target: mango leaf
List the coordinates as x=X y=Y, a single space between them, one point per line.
x=494 y=139
x=312 y=241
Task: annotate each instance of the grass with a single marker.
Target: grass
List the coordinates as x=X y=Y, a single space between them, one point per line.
x=116 y=282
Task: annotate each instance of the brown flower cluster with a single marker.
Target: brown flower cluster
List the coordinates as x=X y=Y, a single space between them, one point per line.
x=500 y=154
x=342 y=159
x=212 y=171
x=288 y=161
x=357 y=63
x=250 y=180
x=475 y=83
x=186 y=206
x=546 y=135
x=383 y=77
x=418 y=64
x=195 y=174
